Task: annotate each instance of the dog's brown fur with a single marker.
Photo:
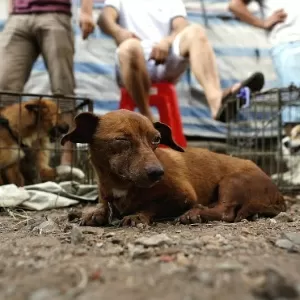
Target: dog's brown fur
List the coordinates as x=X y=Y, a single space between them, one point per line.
x=197 y=184
x=33 y=122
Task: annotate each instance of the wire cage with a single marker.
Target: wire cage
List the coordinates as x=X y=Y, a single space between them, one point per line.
x=263 y=127
x=31 y=126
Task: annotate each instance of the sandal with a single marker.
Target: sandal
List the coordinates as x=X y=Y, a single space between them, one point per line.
x=228 y=111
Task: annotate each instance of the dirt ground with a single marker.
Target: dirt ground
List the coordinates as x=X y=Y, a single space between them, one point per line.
x=45 y=257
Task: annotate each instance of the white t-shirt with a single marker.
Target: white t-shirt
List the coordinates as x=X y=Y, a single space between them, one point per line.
x=149 y=20
x=289 y=31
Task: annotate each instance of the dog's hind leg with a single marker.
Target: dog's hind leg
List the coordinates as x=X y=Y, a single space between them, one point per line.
x=220 y=212
x=225 y=208
x=240 y=196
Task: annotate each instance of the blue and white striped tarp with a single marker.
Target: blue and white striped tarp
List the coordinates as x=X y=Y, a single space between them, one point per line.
x=240 y=50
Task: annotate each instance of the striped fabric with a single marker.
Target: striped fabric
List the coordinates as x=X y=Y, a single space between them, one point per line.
x=240 y=50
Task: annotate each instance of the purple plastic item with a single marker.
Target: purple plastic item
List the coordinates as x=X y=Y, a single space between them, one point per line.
x=245 y=94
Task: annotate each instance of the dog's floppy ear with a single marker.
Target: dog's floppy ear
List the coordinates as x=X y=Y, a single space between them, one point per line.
x=34 y=105
x=166 y=136
x=85 y=127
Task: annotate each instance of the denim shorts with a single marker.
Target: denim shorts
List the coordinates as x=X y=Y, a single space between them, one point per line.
x=286 y=59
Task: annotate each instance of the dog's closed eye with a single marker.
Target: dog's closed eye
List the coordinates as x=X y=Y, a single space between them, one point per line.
x=121 y=139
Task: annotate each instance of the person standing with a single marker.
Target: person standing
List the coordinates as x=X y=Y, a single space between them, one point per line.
x=43 y=27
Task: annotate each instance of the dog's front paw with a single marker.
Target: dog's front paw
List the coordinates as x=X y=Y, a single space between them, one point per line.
x=47 y=174
x=65 y=172
x=133 y=220
x=192 y=216
x=98 y=217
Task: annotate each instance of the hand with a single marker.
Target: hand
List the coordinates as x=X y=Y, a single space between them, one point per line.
x=278 y=16
x=87 y=25
x=123 y=35
x=160 y=52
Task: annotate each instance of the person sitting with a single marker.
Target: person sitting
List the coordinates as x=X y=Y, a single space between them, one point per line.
x=156 y=43
x=282 y=23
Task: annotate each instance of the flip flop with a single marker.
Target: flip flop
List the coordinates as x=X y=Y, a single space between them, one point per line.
x=229 y=110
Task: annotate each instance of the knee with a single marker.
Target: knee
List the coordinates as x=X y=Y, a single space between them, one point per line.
x=130 y=53
x=197 y=33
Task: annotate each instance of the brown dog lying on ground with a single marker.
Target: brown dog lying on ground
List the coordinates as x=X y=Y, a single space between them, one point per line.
x=34 y=123
x=140 y=182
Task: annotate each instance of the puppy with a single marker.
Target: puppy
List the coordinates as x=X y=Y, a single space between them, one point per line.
x=290 y=147
x=35 y=123
x=139 y=182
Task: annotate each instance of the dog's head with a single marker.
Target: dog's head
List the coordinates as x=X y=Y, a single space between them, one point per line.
x=291 y=143
x=47 y=117
x=122 y=144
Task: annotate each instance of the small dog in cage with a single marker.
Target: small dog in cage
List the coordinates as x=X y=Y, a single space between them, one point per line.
x=290 y=147
x=27 y=126
x=140 y=182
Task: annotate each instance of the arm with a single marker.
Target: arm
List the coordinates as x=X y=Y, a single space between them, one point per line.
x=10 y=6
x=178 y=20
x=86 y=18
x=178 y=24
x=108 y=21
x=239 y=8
x=87 y=7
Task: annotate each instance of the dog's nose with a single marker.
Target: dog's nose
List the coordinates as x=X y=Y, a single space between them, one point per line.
x=155 y=173
x=287 y=144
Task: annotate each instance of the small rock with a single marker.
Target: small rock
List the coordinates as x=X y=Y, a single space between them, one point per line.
x=140 y=226
x=44 y=294
x=294 y=237
x=284 y=244
x=155 y=240
x=206 y=278
x=109 y=234
x=93 y=230
x=206 y=239
x=76 y=235
x=48 y=226
x=138 y=251
x=230 y=266
x=116 y=240
x=197 y=243
x=221 y=239
x=182 y=259
x=99 y=245
x=275 y=286
x=115 y=250
x=74 y=216
x=283 y=217
x=80 y=252
x=273 y=221
x=245 y=230
x=170 y=268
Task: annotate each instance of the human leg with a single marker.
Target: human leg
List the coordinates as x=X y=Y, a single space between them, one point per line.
x=18 y=51
x=56 y=40
x=132 y=66
x=193 y=44
x=286 y=59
